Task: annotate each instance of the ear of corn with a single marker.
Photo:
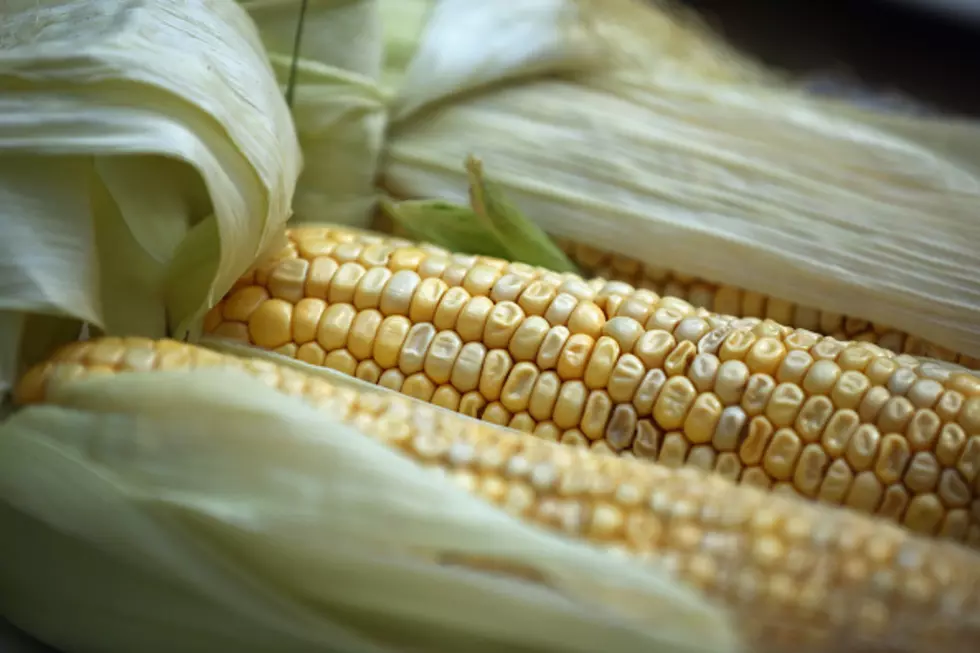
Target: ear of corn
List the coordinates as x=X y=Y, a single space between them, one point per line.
x=795 y=576
x=176 y=482
x=601 y=364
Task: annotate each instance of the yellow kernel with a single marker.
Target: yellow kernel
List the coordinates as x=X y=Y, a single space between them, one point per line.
x=648 y=392
x=953 y=489
x=440 y=359
x=924 y=393
x=547 y=431
x=390 y=338
x=949 y=405
x=472 y=404
x=600 y=364
x=674 y=403
x=923 y=473
x=809 y=473
x=468 y=367
x=729 y=429
x=344 y=283
x=836 y=483
x=392 y=379
x=952 y=441
x=508 y=288
x=418 y=299
x=855 y=359
x=598 y=408
x=288 y=279
x=895 y=415
x=419 y=386
x=538 y=296
x=528 y=338
x=646 y=444
x=737 y=346
x=969 y=462
x=674 y=450
x=703 y=418
x=925 y=514
x=407 y=258
x=821 y=378
x=757 y=393
x=473 y=318
x=680 y=359
x=321 y=273
x=664 y=319
x=233 y=331
x=522 y=422
x=574 y=438
x=653 y=347
x=880 y=370
x=622 y=427
x=865 y=493
x=850 y=389
x=625 y=331
x=813 y=418
x=432 y=266
x=731 y=381
x=371 y=288
x=784 y=404
x=872 y=403
x=837 y=434
x=575 y=356
x=240 y=304
x=552 y=347
x=765 y=356
x=412 y=356
x=516 y=393
x=446 y=396
x=341 y=360
x=451 y=304
x=586 y=318
x=502 y=324
x=923 y=429
x=270 y=325
x=306 y=319
x=363 y=334
x=570 y=404
x=544 y=395
x=496 y=367
x=863 y=447
x=782 y=453
x=368 y=370
x=756 y=442
x=480 y=279
x=312 y=353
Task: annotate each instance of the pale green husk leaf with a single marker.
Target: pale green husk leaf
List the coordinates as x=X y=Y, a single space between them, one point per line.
x=146 y=159
x=339 y=106
x=257 y=524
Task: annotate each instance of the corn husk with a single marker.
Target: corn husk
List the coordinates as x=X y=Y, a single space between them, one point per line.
x=146 y=158
x=739 y=179
x=339 y=105
x=259 y=524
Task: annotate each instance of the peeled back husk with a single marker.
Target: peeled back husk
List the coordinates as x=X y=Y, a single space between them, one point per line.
x=147 y=157
x=258 y=523
x=678 y=152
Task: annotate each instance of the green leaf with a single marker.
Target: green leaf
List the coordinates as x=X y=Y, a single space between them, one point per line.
x=454 y=227
x=491 y=227
x=524 y=240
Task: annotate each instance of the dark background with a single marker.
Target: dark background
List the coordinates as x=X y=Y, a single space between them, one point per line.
x=933 y=57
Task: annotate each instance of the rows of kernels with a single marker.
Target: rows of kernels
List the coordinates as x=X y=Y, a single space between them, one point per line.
x=744 y=303
x=757 y=402
x=799 y=577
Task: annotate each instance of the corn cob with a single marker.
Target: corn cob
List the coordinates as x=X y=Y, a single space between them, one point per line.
x=796 y=575
x=758 y=403
x=720 y=298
